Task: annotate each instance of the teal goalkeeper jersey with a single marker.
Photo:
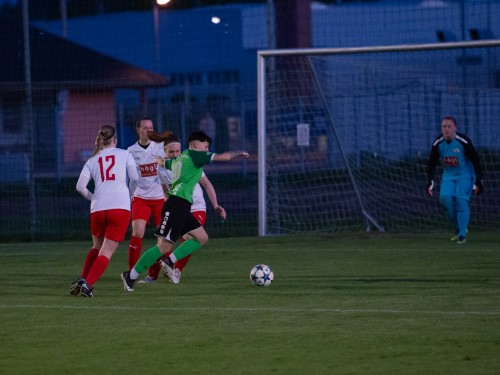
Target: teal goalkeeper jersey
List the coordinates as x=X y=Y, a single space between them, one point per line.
x=459 y=158
x=187 y=170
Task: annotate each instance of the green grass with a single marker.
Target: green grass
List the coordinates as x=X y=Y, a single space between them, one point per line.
x=360 y=304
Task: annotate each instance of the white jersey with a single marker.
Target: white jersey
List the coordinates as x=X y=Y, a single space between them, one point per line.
x=148 y=186
x=165 y=176
x=108 y=169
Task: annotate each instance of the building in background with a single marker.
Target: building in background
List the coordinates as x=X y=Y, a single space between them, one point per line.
x=74 y=90
x=209 y=53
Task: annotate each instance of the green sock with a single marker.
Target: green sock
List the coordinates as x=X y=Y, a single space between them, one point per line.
x=186 y=248
x=147 y=259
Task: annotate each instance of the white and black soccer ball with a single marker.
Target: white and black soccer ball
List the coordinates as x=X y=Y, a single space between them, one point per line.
x=261 y=275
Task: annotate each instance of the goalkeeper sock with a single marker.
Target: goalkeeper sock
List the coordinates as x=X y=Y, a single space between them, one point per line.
x=144 y=262
x=89 y=260
x=463 y=214
x=449 y=206
x=187 y=248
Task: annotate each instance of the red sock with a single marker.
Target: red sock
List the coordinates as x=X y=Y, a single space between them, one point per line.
x=134 y=251
x=98 y=268
x=180 y=264
x=89 y=260
x=165 y=256
x=154 y=270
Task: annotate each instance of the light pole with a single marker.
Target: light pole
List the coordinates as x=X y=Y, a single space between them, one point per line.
x=28 y=102
x=156 y=26
x=64 y=18
x=156 y=29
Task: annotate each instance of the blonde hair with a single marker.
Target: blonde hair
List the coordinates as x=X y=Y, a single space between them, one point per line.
x=104 y=137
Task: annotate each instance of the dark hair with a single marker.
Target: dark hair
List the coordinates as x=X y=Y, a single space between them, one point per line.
x=104 y=137
x=166 y=137
x=199 y=136
x=452 y=119
x=138 y=122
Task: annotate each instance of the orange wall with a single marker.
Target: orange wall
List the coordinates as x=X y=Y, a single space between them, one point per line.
x=85 y=113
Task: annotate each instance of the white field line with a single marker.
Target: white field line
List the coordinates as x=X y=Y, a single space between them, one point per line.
x=252 y=309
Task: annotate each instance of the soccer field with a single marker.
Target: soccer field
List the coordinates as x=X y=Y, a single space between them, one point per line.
x=360 y=304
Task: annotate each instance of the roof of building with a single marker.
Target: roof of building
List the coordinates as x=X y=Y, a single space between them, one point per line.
x=58 y=62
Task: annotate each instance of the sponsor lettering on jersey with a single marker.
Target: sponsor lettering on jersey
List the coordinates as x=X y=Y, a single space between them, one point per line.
x=148 y=170
x=451 y=161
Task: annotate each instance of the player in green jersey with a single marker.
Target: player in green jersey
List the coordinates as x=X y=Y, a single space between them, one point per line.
x=177 y=220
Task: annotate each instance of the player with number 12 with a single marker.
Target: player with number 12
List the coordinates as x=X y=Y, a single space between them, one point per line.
x=108 y=166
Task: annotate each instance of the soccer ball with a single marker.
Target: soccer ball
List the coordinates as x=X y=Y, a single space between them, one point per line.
x=261 y=275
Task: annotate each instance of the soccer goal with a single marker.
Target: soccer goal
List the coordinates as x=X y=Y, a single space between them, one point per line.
x=344 y=134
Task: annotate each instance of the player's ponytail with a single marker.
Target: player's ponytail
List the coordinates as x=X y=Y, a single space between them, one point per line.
x=104 y=137
x=166 y=137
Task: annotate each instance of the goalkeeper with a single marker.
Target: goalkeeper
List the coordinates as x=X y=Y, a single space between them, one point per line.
x=461 y=175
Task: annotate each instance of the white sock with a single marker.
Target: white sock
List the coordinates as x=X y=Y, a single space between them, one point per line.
x=133 y=274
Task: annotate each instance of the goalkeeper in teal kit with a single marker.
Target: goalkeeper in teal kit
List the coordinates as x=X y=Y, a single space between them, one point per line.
x=461 y=176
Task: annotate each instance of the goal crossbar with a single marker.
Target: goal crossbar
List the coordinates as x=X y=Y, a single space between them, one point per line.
x=379 y=49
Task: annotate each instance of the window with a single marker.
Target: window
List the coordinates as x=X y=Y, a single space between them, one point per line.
x=11 y=116
x=179 y=79
x=223 y=77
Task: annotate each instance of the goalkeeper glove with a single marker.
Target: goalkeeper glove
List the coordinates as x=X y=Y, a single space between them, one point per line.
x=478 y=187
x=430 y=186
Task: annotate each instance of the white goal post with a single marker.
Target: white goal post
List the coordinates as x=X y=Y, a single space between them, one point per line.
x=344 y=134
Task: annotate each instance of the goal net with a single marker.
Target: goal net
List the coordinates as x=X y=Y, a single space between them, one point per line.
x=345 y=134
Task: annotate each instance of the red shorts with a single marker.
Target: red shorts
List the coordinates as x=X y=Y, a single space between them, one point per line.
x=201 y=216
x=143 y=209
x=111 y=224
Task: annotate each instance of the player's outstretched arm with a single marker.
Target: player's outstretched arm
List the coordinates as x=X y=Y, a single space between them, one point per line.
x=230 y=155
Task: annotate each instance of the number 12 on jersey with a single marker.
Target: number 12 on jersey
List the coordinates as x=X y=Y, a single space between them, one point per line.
x=105 y=167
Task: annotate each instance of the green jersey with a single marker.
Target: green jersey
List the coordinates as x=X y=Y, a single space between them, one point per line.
x=187 y=170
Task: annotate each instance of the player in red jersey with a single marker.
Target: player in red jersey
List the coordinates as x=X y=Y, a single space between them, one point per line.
x=148 y=197
x=108 y=166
